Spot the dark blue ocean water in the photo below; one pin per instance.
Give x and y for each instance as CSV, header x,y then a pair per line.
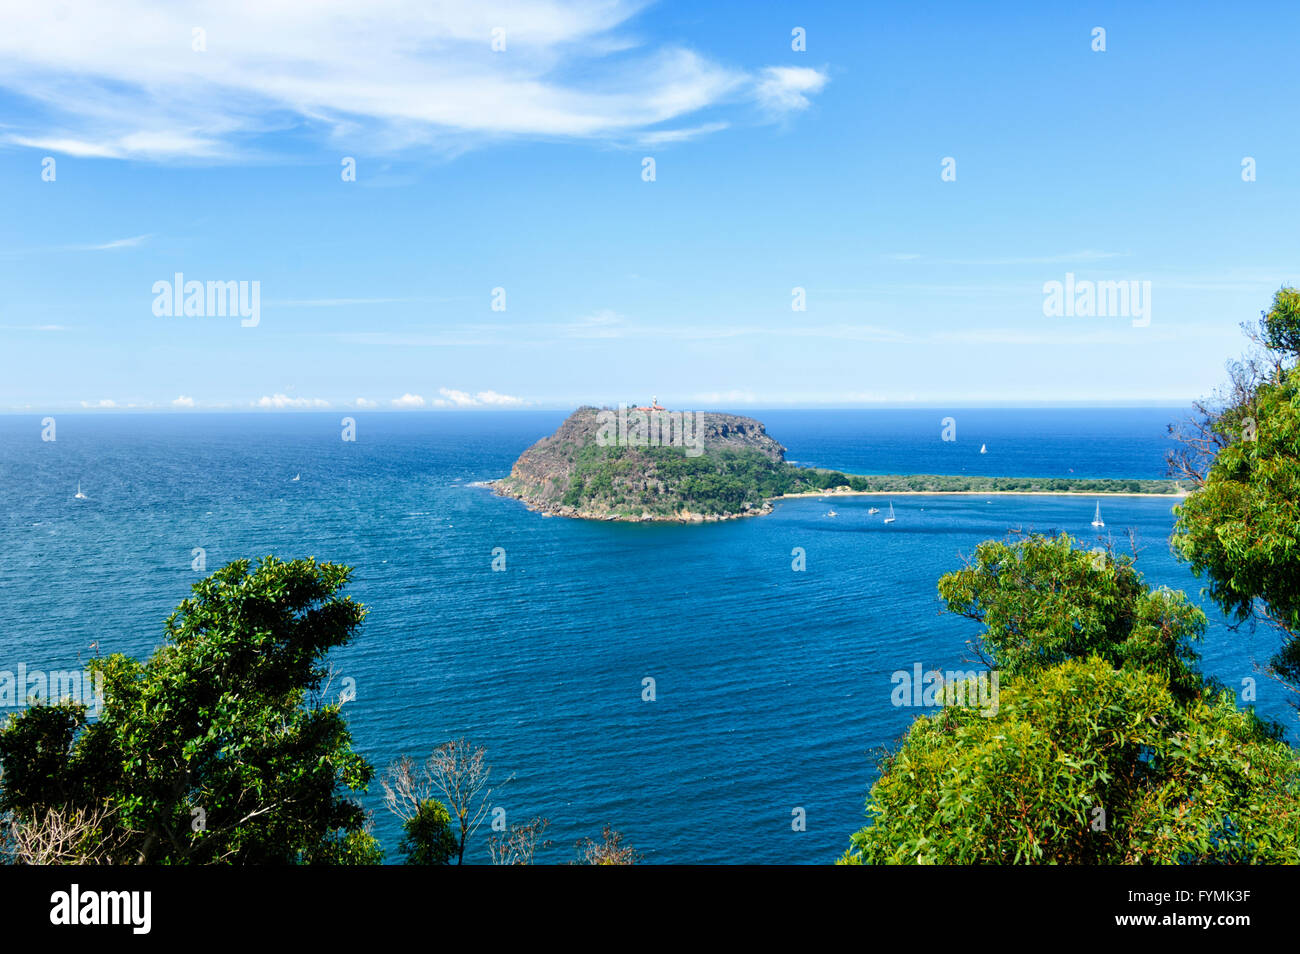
x,y
773,687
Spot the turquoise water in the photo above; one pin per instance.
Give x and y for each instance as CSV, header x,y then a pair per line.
x,y
773,688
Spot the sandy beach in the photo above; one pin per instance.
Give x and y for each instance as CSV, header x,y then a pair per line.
x,y
973,493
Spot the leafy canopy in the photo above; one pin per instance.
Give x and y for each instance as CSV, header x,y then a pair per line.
x,y
428,836
1043,601
1086,764
218,748
1105,747
1241,528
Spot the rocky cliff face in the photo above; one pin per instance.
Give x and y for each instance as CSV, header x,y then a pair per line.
x,y
600,466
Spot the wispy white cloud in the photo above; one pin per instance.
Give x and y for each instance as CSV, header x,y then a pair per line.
x,y
493,399
365,402
784,89
183,401
117,243
283,401
132,242
458,398
453,398
135,80
1063,258
661,137
450,397
103,403
340,302
605,323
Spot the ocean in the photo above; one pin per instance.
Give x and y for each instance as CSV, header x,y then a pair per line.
x,y
772,687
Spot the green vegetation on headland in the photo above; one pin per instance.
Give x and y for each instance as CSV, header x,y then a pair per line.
x,y
955,484
662,482
737,470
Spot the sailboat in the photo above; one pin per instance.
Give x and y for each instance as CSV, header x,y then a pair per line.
x,y
297,476
984,448
79,494
890,518
1096,520
874,510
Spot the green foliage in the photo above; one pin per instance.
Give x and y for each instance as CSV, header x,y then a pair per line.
x,y
1280,326
1086,764
663,481
347,848
429,837
1105,747
1043,601
1241,529
217,748
807,479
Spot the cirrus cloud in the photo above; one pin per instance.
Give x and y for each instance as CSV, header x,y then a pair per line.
x,y
135,80
782,89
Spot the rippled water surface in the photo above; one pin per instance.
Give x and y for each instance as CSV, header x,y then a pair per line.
x,y
773,687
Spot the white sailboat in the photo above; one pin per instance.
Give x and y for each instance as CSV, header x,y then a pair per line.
x,y
297,476
890,518
984,448
1096,520
874,510
79,494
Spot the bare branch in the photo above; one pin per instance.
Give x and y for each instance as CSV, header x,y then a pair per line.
x,y
610,850
517,846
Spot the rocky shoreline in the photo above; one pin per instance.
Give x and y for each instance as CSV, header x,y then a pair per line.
x,y
562,510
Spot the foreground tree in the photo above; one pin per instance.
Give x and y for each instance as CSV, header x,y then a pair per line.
x,y
1086,764
1043,601
453,780
428,835
219,747
1241,527
1104,747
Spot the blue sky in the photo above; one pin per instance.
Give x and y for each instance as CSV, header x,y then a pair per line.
x,y
522,169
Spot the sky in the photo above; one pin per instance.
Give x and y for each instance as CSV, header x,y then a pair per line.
x,y
914,176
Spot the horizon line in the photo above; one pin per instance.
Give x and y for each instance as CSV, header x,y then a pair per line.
x,y
1049,403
